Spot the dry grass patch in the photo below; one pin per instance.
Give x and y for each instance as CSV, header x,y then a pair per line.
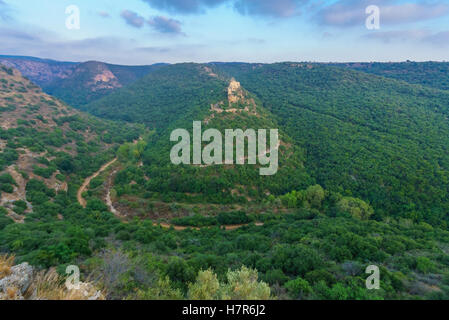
x,y
6,262
51,286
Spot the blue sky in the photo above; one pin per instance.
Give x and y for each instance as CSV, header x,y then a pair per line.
x,y
149,31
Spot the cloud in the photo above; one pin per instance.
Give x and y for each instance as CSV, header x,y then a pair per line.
x,y
398,35
4,11
159,23
278,8
154,49
103,14
440,39
132,18
272,8
38,42
412,12
11,35
165,25
45,44
347,13
184,6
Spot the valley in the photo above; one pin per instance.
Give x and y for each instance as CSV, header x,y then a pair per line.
x,y
362,178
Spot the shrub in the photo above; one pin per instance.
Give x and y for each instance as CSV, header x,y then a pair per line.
x,y
358,208
298,288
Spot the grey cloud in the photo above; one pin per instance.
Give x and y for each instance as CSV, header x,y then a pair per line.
x,y
132,18
16,35
103,14
45,44
154,49
413,12
272,8
165,25
184,6
41,43
278,8
424,36
352,12
439,38
398,35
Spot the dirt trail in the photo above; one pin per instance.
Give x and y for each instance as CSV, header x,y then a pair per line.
x,y
109,203
108,195
227,227
86,183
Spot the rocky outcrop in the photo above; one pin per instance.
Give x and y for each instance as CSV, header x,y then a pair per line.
x,y
22,282
235,92
15,285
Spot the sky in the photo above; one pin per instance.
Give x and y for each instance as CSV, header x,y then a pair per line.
x,y
137,32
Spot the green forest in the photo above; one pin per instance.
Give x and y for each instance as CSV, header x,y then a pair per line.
x,y
362,180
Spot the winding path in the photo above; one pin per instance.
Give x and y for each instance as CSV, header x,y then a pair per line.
x,y
83,203
86,182
227,227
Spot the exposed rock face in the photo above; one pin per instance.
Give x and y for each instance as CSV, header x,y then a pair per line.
x,y
235,92
102,77
236,95
39,71
17,282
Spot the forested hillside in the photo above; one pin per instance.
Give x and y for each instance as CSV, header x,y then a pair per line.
x,y
170,93
155,178
362,181
47,149
76,83
374,138
93,80
306,241
430,74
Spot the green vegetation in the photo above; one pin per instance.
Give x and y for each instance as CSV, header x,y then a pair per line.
x,y
162,97
377,139
86,83
362,181
430,74
7,183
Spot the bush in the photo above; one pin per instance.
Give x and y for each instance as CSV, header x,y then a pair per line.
x,y
358,209
6,178
7,188
235,217
424,265
298,288
275,276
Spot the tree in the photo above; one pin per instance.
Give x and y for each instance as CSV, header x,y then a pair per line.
x,y
162,291
123,152
206,286
356,207
424,265
179,271
315,196
243,284
298,288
